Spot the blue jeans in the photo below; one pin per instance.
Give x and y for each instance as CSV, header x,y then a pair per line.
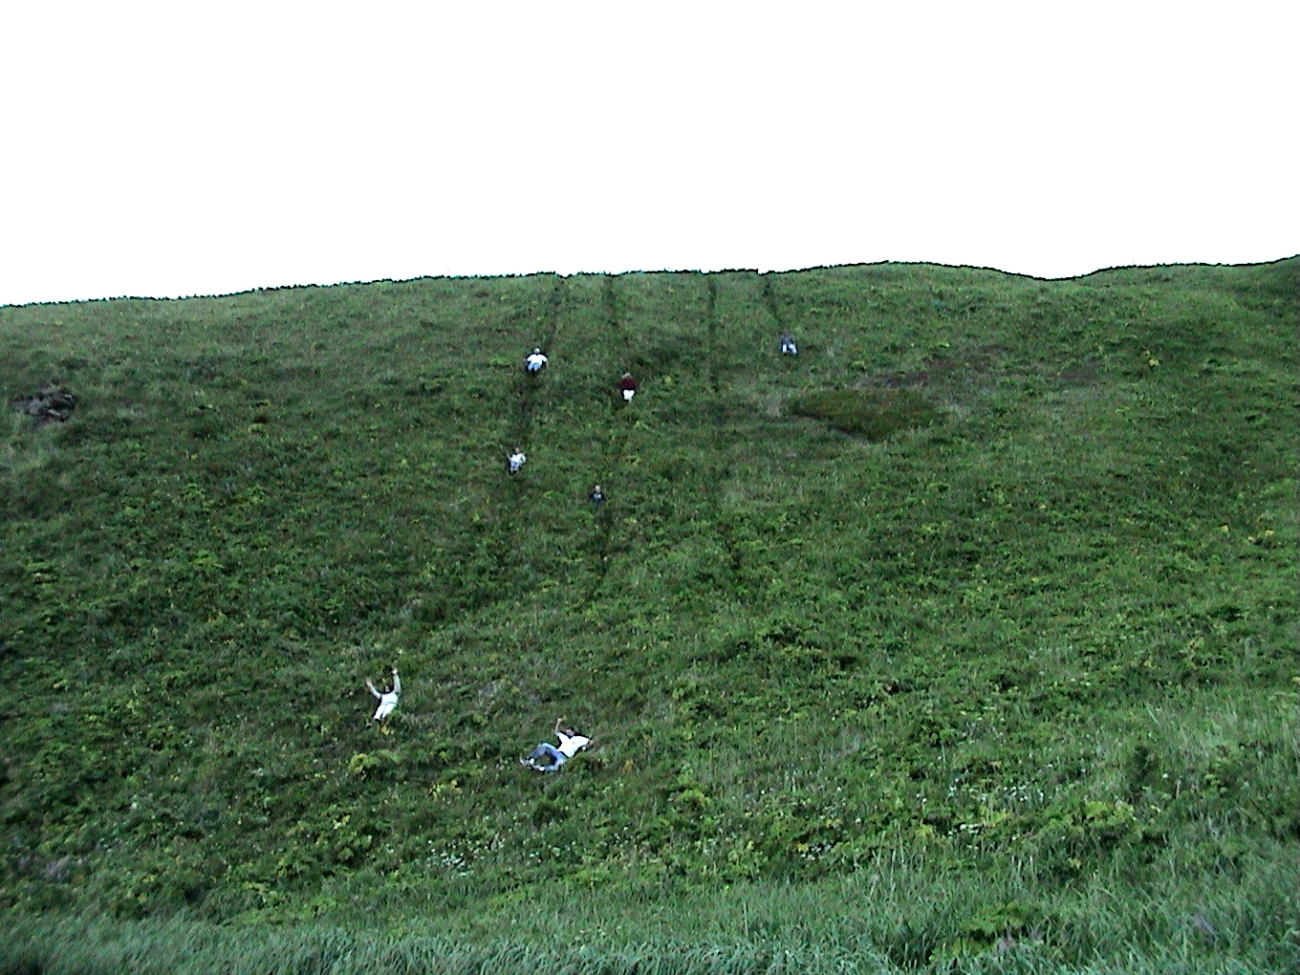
x,y
546,749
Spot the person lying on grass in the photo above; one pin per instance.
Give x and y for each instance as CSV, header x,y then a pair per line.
x,y
570,744
387,699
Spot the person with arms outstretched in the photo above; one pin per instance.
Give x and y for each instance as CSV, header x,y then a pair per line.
x,y
387,699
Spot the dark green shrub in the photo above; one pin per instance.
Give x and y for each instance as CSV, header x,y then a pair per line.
x,y
872,413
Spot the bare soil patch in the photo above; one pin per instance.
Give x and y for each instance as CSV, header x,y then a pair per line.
x,y
51,404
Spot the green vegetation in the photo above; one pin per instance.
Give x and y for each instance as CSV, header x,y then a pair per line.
x,y
873,413
1002,680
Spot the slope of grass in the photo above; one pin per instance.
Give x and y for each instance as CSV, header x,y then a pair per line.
x,y
1036,652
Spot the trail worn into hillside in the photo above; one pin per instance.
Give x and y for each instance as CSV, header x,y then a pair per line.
x,y
618,426
531,390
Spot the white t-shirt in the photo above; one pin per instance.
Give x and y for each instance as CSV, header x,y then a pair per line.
x,y
570,745
536,360
388,700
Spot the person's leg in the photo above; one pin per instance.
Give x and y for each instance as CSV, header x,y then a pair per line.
x,y
544,749
547,750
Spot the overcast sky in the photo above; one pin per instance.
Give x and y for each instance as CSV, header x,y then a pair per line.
x,y
194,147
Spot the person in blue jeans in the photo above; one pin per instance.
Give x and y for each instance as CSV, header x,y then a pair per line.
x,y
535,362
570,744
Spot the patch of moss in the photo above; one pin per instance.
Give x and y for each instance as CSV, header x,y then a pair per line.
x,y
872,413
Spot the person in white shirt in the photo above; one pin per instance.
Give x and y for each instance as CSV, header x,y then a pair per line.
x,y
534,362
515,461
787,344
570,744
387,699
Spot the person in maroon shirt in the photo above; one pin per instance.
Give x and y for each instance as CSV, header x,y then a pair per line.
x,y
627,386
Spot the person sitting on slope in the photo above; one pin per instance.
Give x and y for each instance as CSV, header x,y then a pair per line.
x,y
387,699
787,344
515,461
534,362
627,387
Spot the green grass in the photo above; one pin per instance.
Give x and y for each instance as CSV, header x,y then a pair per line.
x,y
1005,684
875,414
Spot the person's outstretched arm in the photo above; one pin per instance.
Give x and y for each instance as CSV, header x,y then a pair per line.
x,y
397,682
371,688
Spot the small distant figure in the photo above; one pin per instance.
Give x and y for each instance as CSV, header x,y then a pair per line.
x,y
597,496
570,744
627,386
387,699
787,344
534,362
515,461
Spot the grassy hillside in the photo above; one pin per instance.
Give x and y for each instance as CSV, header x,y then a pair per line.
x,y
1004,675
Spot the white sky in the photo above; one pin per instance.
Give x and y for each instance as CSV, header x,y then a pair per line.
x,y
194,147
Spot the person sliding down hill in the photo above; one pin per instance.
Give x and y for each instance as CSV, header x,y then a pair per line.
x,y
570,744
387,699
515,461
534,362
627,387
787,344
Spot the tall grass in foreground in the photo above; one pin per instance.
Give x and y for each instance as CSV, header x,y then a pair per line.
x,y
896,916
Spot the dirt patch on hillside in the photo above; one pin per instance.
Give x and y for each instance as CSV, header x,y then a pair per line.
x,y
51,404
